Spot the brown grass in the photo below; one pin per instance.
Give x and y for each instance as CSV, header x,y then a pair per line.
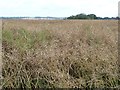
x,y
65,53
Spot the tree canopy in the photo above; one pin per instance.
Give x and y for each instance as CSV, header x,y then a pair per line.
x,y
89,16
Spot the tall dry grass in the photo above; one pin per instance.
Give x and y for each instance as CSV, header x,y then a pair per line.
x,y
60,54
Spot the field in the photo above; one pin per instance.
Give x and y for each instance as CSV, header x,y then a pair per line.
x,y
60,54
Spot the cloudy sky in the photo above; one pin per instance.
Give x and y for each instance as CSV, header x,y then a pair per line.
x,y
58,8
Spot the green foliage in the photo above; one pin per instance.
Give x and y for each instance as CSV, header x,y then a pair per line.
x,y
83,16
23,39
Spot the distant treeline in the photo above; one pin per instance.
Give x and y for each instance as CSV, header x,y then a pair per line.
x,y
89,16
78,16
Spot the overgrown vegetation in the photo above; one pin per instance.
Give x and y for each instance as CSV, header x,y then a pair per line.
x,y
60,54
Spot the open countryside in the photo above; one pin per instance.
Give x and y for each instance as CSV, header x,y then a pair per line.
x,y
60,53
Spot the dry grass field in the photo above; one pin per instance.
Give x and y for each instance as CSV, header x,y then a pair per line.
x,y
60,54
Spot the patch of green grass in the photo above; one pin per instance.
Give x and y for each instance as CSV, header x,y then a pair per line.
x,y
24,39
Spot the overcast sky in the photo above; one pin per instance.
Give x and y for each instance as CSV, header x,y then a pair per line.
x,y
58,8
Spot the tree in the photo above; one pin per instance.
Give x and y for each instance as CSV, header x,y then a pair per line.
x,y
83,16
92,16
